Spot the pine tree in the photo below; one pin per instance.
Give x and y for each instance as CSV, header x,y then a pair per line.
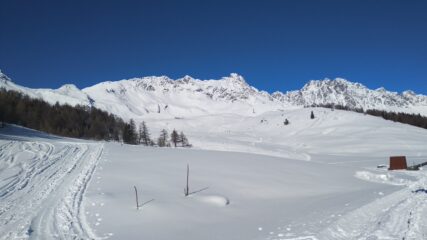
x,y
133,131
130,135
183,140
144,135
175,138
312,115
163,141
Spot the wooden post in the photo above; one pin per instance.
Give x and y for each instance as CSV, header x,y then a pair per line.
x,y
187,189
136,197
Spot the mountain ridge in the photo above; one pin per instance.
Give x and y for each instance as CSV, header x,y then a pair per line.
x,y
188,96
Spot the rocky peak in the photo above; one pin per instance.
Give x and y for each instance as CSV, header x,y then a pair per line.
x,y
4,78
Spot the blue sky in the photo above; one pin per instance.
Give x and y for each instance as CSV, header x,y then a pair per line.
x,y
274,44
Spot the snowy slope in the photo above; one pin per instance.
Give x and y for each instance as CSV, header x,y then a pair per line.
x,y
43,180
67,94
312,179
162,97
303,137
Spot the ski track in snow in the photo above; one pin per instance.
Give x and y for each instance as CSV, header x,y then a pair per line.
x,y
399,215
42,189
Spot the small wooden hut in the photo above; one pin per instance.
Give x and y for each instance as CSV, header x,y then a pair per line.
x,y
397,162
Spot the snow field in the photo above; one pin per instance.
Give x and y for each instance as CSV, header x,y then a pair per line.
x,y
42,188
251,179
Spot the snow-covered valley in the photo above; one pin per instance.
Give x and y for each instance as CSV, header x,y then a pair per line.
x,y
251,177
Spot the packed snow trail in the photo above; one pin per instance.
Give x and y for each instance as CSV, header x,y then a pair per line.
x,y
42,186
399,215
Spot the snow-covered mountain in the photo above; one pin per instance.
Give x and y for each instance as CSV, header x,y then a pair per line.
x,y
162,97
183,97
355,95
67,94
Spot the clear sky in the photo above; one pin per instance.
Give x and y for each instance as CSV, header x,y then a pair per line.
x,y
274,44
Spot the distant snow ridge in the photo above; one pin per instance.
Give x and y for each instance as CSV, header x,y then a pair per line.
x,y
67,94
183,97
162,97
355,95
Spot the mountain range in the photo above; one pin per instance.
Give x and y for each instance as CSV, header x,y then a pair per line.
x,y
163,97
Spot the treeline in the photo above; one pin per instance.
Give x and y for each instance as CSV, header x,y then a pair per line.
x,y
411,119
143,136
64,120
406,118
339,107
78,121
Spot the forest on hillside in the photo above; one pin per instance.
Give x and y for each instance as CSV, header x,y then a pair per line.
x,y
79,122
63,120
406,118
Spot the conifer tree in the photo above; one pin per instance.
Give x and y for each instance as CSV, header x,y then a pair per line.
x,y
144,135
130,135
163,141
175,138
312,115
183,140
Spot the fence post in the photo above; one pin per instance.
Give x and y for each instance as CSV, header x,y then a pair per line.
x,y
136,197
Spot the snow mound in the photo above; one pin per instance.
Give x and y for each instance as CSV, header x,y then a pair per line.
x,y
387,178
215,200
